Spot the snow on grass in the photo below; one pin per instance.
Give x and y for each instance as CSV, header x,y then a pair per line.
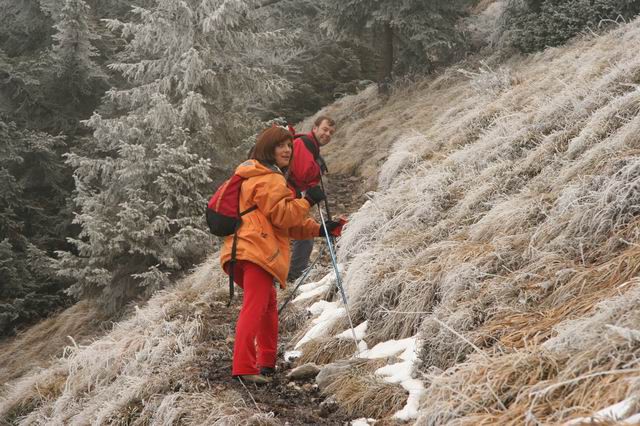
x,y
404,153
504,233
133,370
401,372
360,331
311,290
363,422
331,312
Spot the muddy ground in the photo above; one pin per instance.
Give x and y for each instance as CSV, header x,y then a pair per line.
x,y
288,402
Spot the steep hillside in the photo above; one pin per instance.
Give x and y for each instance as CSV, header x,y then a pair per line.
x,y
491,272
503,233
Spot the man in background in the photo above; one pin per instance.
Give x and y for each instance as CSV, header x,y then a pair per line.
x,y
305,171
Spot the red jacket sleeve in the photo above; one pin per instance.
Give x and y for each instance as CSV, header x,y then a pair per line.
x,y
304,172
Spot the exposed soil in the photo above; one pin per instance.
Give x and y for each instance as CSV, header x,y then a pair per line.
x,y
345,194
289,402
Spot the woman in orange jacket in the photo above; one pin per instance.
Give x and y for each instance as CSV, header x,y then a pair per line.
x,y
263,249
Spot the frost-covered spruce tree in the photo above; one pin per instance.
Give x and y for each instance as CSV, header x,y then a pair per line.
x,y
423,29
196,67
323,68
30,194
73,51
532,25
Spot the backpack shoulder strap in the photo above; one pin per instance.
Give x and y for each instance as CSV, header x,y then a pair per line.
x,y
234,247
315,150
312,147
249,210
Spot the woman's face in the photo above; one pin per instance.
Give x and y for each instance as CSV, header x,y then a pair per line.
x,y
283,153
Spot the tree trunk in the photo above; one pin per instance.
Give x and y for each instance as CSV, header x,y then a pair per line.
x,y
386,67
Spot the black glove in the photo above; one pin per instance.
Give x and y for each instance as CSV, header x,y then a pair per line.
x,y
331,225
315,195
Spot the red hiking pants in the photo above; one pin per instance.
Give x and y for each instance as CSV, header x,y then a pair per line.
x,y
257,327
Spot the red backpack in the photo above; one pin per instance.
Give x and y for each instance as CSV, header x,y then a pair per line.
x,y
223,211
224,217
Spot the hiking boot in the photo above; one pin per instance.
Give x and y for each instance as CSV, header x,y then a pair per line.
x,y
257,379
267,371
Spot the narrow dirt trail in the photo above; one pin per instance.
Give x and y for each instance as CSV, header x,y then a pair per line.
x,y
282,402
344,193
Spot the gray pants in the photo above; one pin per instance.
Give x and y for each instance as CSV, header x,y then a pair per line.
x,y
300,254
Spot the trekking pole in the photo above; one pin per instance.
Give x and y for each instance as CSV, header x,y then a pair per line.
x,y
326,206
326,203
338,281
300,281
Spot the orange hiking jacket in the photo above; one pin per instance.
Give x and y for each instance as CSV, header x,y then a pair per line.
x,y
263,237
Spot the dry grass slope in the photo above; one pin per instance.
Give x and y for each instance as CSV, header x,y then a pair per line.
x,y
504,230
46,340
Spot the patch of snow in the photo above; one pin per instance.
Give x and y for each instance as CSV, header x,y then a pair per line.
x,y
313,289
363,422
618,411
330,314
390,348
312,293
327,279
633,420
360,332
410,410
400,372
411,353
318,307
396,373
